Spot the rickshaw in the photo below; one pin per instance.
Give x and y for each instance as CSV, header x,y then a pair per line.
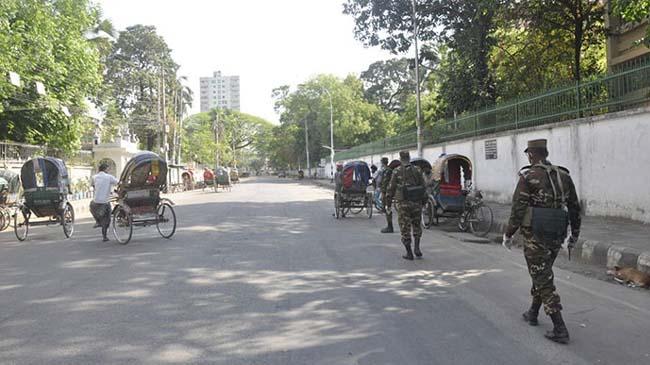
x,y
138,202
234,175
379,205
222,178
46,187
352,195
208,180
452,196
9,192
188,180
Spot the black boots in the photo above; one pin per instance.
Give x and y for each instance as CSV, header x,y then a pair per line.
x,y
409,252
416,249
531,314
388,229
559,334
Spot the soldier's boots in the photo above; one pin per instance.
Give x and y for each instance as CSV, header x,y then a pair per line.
x,y
416,249
388,229
409,252
559,334
531,314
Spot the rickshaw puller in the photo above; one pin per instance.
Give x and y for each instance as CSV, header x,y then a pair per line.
x,y
545,202
100,206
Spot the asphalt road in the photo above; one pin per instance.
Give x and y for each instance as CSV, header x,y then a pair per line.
x,y
265,275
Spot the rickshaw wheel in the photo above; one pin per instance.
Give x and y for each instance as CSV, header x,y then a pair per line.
x,y
481,220
428,213
122,225
21,224
369,205
165,214
67,220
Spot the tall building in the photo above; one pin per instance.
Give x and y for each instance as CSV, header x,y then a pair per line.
x,y
219,92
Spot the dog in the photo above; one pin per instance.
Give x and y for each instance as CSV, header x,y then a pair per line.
x,y
631,276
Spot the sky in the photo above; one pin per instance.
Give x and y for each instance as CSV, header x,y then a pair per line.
x,y
268,43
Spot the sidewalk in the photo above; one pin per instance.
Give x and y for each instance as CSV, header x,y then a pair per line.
x,y
604,241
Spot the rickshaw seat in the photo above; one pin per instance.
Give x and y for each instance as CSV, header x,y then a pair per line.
x,y
450,190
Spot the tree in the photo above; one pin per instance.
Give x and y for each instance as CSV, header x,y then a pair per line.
x,y
355,119
578,23
389,83
43,41
138,69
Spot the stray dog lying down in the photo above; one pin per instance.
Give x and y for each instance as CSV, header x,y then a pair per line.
x,y
630,276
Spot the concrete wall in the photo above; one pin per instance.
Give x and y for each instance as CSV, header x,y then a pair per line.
x,y
608,157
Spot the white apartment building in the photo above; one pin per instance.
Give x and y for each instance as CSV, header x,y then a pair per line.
x,y
219,92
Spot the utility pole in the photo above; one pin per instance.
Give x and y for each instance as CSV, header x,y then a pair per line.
x,y
418,118
216,137
307,147
164,119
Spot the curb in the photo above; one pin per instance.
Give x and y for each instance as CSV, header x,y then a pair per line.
x,y
602,254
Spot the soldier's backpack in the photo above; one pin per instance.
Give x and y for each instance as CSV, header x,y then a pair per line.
x,y
413,193
550,224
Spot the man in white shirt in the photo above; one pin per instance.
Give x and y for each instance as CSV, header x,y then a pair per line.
x,y
100,206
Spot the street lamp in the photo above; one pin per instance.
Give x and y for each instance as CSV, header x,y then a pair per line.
x,y
331,135
307,148
418,120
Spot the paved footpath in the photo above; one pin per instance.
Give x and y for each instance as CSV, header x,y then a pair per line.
x,y
265,275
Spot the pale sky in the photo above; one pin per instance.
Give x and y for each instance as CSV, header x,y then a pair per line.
x,y
268,43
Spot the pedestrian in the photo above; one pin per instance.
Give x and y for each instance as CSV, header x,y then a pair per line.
x,y
100,206
386,203
545,202
407,187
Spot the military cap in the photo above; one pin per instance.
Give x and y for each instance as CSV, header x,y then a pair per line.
x,y
537,144
404,156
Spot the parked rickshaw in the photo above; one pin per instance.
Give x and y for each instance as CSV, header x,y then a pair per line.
x,y
352,195
209,180
46,187
222,178
188,180
9,192
234,175
138,202
452,196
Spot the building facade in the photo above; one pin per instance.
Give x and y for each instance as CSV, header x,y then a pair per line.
x,y
219,91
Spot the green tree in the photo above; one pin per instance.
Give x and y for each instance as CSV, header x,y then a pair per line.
x,y
389,83
633,11
43,41
139,68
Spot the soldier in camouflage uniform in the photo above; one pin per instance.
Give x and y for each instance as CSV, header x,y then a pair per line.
x,y
544,189
385,181
409,213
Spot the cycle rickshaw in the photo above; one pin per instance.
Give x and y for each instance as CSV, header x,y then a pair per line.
x,y
234,175
9,192
138,198
452,196
352,195
46,187
222,178
188,180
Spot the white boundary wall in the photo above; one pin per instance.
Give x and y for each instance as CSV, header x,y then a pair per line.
x,y
608,156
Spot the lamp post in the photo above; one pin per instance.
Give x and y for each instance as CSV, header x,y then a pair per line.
x,y
307,148
331,147
418,120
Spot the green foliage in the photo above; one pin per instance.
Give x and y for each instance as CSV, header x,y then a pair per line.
x,y
137,69
633,11
355,119
44,41
389,83
239,135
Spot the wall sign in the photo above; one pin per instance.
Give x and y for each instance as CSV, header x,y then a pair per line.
x,y
491,149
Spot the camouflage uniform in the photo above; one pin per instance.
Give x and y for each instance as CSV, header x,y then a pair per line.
x,y
385,181
536,187
409,213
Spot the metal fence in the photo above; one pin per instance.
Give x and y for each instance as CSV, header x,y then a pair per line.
x,y
605,94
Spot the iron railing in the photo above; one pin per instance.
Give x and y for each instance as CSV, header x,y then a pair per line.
x,y
601,95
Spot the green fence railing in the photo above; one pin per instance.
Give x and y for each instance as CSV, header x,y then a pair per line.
x,y
605,94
